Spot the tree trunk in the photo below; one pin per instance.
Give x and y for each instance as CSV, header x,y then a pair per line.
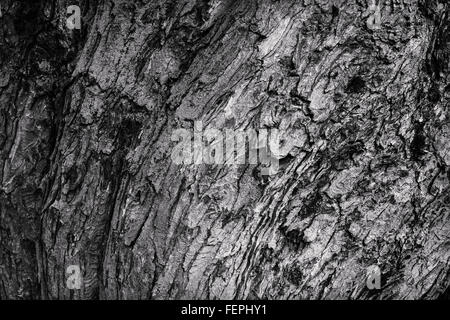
x,y
360,98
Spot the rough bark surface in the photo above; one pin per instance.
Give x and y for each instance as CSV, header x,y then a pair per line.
x,y
86,178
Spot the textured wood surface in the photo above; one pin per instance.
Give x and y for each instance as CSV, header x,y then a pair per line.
x,y
86,118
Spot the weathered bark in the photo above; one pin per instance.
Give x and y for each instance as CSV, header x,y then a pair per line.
x,y
87,179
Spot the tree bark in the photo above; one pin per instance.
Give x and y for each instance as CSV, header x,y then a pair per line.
x,y
87,179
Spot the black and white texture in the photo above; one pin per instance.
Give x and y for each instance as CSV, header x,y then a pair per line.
x,y
360,93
